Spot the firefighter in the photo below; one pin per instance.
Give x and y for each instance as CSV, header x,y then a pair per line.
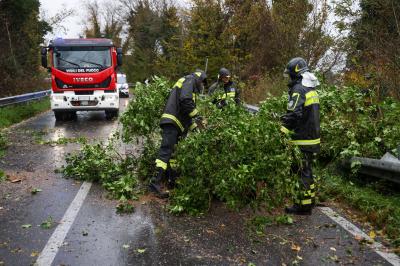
x,y
180,115
225,88
302,122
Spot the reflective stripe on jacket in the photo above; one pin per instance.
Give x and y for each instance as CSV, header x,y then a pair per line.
x,y
181,104
225,92
302,117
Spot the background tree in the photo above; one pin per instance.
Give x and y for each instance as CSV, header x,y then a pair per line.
x,y
169,61
205,38
375,36
143,41
21,33
104,21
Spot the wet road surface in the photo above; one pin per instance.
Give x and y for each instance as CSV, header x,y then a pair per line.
x,y
149,236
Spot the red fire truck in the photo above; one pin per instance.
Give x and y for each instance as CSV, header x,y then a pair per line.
x,y
83,76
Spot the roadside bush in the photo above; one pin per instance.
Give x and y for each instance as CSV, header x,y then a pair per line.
x,y
353,124
13,114
3,142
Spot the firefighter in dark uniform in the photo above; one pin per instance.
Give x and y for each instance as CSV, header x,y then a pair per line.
x,y
225,89
302,122
180,115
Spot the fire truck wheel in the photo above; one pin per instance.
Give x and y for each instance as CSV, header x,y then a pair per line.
x,y
111,114
59,115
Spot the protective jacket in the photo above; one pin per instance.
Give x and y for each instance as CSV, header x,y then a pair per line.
x,y
225,92
181,104
302,117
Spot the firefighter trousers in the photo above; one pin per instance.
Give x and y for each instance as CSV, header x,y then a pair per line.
x,y
306,196
170,137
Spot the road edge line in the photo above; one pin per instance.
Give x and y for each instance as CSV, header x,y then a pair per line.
x,y
355,231
50,251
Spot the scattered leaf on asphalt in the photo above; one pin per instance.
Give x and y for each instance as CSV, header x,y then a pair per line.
x,y
349,251
125,246
284,219
35,190
34,254
334,258
209,231
25,226
16,250
139,250
125,207
47,224
296,248
372,234
358,238
14,179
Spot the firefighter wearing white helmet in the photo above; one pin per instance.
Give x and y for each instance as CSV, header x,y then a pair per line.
x,y
302,122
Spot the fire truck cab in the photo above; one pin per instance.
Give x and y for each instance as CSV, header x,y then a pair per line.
x,y
83,76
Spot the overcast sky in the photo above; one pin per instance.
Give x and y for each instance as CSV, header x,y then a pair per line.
x,y
74,25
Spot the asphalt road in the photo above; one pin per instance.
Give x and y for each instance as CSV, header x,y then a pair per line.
x,y
149,236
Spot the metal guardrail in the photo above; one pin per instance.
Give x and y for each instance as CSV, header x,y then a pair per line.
x,y
388,167
251,108
24,98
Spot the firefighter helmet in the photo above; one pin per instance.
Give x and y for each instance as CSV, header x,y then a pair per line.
x,y
296,67
224,73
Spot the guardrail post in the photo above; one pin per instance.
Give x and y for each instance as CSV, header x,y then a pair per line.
x,y
398,152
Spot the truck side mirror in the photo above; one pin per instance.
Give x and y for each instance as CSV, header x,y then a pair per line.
x,y
44,57
119,56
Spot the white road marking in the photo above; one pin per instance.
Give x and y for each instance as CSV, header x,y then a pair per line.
x,y
355,231
49,252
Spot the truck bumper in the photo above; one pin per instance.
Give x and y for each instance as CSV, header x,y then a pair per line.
x,y
68,101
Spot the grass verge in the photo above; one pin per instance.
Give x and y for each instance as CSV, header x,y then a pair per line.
x,y
13,114
381,209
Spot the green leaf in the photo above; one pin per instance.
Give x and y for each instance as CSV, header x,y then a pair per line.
x,y
48,223
35,191
140,251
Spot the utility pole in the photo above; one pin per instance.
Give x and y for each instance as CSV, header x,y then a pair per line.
x,y
205,71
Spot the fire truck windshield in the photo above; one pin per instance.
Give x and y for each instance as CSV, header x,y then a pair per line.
x,y
69,58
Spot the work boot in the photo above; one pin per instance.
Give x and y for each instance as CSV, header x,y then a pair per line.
x,y
172,177
156,187
299,210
